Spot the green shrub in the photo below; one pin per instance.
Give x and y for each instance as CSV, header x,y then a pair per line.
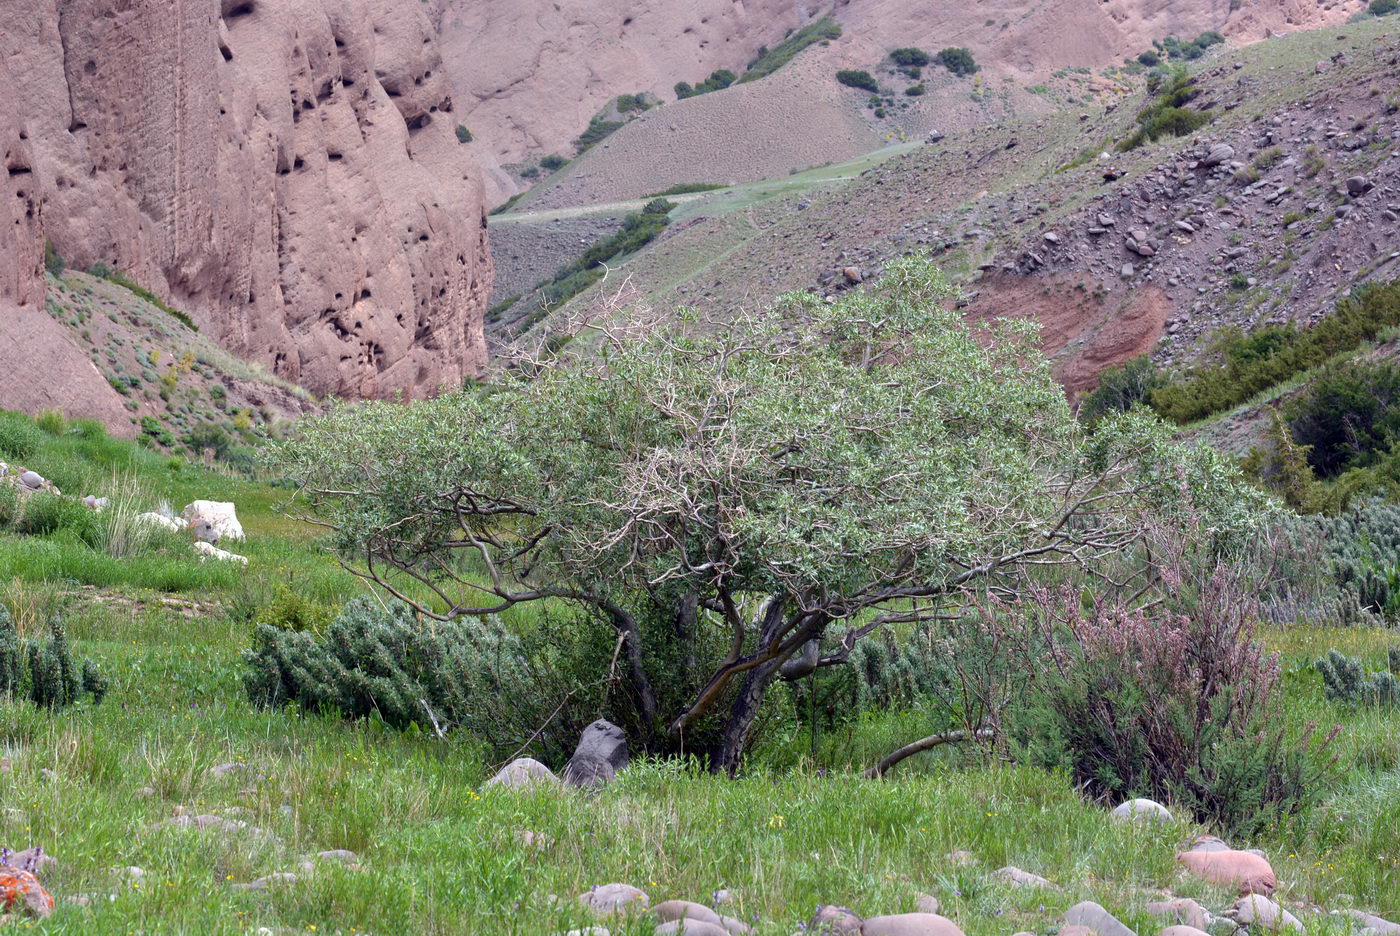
x,y
52,261
1348,416
684,90
463,134
19,437
553,162
1383,7
293,609
468,674
631,103
1241,366
910,56
685,188
45,514
50,421
957,60
1345,680
1362,554
718,80
144,293
770,60
1164,114
855,78
44,670
153,430
915,90
598,130
1150,58
1121,388
9,505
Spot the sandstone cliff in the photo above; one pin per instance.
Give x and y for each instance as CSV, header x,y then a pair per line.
x,y
286,171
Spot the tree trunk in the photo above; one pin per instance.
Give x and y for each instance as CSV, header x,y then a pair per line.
x,y
742,716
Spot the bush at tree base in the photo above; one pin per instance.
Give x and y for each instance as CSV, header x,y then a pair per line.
x,y
1180,704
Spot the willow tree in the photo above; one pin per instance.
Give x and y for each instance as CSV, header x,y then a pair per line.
x,y
814,470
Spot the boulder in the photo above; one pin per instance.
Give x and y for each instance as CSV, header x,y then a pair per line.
x,y
160,520
831,920
910,924
1182,930
32,859
221,515
601,752
204,532
1250,873
691,928
210,551
32,480
20,891
926,903
1018,878
734,927
1258,910
1219,153
1359,185
609,899
1097,919
669,910
1141,810
1181,910
520,773
934,136
1208,843
1370,923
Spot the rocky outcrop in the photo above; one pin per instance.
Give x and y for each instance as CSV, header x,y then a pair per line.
x,y
285,171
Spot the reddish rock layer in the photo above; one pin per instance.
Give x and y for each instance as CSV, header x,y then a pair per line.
x,y
286,170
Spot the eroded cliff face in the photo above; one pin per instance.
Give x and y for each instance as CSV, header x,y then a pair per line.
x,y
286,170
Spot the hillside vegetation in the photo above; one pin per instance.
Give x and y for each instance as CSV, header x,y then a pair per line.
x,y
194,770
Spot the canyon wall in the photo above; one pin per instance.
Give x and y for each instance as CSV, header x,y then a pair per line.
x,y
285,170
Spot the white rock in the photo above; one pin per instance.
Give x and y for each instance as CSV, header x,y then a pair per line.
x,y
160,520
1141,810
221,515
210,551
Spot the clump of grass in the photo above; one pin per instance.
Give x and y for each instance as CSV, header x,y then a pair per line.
x,y
686,188
1166,114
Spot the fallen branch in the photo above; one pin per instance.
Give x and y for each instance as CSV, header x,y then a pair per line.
x,y
924,744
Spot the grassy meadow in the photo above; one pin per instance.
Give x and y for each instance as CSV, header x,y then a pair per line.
x,y
96,786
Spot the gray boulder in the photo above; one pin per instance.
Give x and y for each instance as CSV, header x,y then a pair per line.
x,y
601,752
32,480
1370,923
691,927
1096,918
1219,153
1018,878
1258,910
609,899
910,924
1359,185
521,773
831,920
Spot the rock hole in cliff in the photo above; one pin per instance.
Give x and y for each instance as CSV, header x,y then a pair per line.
x,y
325,91
307,105
90,67
334,157
76,125
418,81
237,9
419,122
339,43
298,163
20,170
422,237
226,52
251,299
627,22
364,294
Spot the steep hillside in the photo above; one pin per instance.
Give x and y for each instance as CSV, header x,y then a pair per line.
x,y
800,116
286,172
1035,222
530,74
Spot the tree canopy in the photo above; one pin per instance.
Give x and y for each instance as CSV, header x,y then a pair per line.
x,y
812,470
